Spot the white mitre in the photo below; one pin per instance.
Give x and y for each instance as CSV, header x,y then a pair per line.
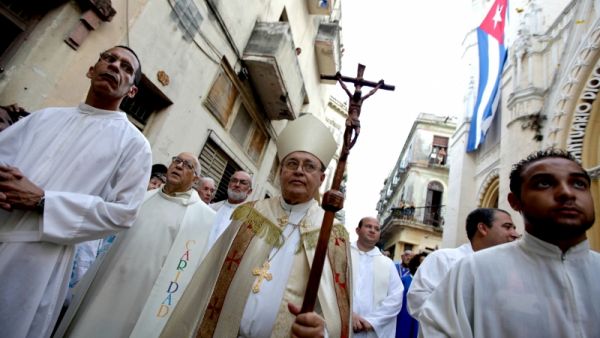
x,y
307,133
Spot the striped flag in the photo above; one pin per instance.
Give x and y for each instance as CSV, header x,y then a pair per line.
x,y
492,54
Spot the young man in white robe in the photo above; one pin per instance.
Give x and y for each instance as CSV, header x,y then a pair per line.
x,y
377,288
133,289
238,190
67,175
486,227
253,280
544,285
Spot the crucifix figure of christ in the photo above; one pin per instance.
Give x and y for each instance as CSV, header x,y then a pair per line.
x,y
356,100
333,199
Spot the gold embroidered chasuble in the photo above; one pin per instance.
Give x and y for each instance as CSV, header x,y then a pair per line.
x,y
214,301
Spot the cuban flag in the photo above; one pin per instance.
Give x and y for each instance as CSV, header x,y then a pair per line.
x,y
492,55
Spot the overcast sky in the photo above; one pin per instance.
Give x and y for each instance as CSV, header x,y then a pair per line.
x,y
416,46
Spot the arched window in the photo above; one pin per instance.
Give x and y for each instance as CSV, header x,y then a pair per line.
x,y
433,204
490,195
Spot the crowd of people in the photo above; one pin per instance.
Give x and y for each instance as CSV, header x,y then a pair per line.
x,y
141,250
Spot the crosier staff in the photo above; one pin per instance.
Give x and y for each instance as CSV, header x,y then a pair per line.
x,y
333,199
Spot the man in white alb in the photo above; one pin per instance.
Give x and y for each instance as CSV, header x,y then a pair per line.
x,y
544,285
377,287
238,190
485,228
67,175
131,292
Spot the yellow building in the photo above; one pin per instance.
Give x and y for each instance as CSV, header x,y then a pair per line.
x,y
412,204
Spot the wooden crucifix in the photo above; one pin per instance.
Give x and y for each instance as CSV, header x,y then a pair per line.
x,y
333,199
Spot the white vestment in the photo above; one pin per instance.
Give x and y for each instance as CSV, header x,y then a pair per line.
x,y
122,282
378,290
262,307
526,288
430,273
94,167
224,210
265,313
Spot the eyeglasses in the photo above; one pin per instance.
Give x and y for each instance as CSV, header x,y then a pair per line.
x,y
185,163
123,64
307,166
241,182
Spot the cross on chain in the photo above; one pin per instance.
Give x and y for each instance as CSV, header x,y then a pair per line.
x,y
262,274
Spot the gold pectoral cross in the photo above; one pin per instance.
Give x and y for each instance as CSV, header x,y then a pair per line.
x,y
262,274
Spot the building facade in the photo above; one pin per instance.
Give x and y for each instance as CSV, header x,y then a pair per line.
x,y
335,119
220,78
548,99
413,200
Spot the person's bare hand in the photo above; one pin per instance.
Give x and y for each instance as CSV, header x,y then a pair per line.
x,y
9,173
17,191
366,325
359,324
14,108
308,324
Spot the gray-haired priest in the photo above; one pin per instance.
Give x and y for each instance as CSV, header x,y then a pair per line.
x,y
252,282
132,290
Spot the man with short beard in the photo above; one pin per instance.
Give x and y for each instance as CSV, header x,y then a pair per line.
x,y
544,285
238,190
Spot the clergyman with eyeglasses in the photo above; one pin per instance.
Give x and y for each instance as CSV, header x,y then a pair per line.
x,y
146,265
253,280
67,175
238,190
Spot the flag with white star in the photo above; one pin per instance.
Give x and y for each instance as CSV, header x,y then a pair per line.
x,y
492,55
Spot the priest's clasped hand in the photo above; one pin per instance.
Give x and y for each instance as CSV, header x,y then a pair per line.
x,y
308,324
17,191
359,324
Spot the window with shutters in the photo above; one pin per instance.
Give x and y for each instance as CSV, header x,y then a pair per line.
x,y
148,100
17,19
434,208
439,150
273,174
256,144
242,125
218,165
235,112
221,98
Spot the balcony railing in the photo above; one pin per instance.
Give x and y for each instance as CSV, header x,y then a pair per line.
x,y
428,215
